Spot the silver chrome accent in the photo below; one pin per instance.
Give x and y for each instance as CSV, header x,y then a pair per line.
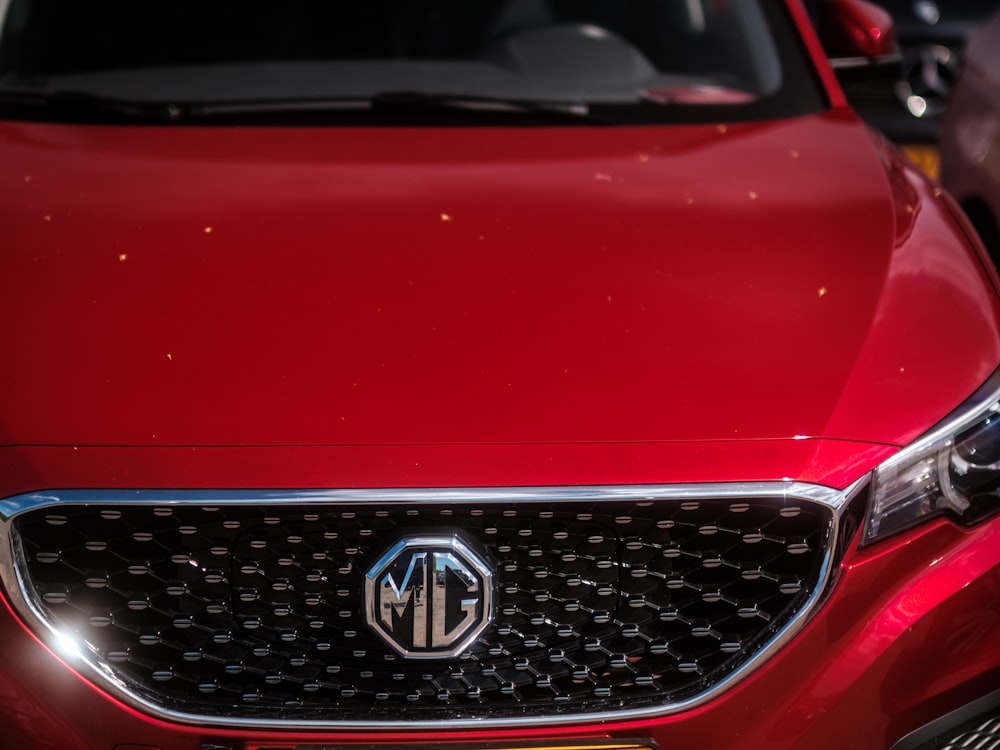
x,y
77,654
422,590
930,72
927,11
828,496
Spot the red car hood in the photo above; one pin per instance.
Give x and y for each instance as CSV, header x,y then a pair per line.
x,y
235,287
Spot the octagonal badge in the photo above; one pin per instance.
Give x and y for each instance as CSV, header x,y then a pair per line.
x,y
429,597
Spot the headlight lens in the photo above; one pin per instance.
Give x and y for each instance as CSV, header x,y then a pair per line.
x,y
954,469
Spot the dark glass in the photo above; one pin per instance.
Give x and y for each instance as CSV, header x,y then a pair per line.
x,y
632,60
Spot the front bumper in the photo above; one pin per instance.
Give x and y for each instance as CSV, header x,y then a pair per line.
x,y
909,633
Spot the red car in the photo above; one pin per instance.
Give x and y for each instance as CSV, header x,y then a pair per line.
x,y
566,374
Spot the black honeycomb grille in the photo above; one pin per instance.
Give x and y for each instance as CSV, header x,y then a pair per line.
x,y
253,610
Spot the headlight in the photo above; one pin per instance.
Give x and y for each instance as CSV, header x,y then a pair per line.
x,y
954,469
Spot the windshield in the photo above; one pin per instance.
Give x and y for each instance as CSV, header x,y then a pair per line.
x,y
634,60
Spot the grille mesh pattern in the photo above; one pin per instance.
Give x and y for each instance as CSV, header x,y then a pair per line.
x,y
984,736
255,610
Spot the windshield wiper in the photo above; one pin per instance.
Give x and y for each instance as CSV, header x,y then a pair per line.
x,y
84,106
409,103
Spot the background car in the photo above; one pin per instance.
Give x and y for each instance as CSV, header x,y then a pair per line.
x,y
932,35
908,102
970,145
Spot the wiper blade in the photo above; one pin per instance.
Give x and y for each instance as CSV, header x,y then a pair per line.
x,y
77,106
391,102
83,106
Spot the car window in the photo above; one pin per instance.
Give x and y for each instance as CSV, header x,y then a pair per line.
x,y
635,59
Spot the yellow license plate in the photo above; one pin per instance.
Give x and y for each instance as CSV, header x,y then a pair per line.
x,y
927,157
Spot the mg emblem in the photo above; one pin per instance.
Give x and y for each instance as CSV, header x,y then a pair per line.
x,y
429,597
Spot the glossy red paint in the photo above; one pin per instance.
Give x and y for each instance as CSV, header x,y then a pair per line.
x,y
866,658
520,286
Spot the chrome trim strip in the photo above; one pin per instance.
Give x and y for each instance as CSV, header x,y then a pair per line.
x,y
855,63
11,506
76,656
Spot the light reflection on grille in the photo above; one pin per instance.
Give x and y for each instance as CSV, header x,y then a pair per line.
x,y
255,610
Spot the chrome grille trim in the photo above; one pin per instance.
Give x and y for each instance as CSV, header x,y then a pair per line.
x,y
11,571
